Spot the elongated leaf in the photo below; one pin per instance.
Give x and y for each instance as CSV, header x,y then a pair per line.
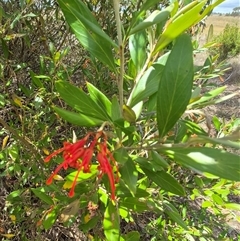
x,y
129,175
140,91
50,219
144,7
175,87
233,206
111,224
83,176
185,18
137,48
208,160
132,236
146,86
42,195
116,110
85,227
223,141
140,204
159,160
87,31
154,18
151,165
77,118
173,213
80,101
208,96
165,181
99,98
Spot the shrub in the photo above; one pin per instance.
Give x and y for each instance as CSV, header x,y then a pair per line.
x,y
228,42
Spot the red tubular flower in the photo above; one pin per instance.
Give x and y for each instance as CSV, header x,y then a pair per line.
x,y
104,157
85,165
78,156
105,167
71,155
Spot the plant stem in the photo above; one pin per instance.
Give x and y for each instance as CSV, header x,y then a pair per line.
x,y
116,6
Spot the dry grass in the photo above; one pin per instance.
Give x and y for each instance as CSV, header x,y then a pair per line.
x,y
219,23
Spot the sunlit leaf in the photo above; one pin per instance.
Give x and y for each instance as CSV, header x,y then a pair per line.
x,y
13,218
87,31
80,101
17,100
77,118
111,222
50,219
208,160
8,235
129,175
4,141
99,98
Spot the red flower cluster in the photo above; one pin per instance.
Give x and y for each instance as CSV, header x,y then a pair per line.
x,y
79,155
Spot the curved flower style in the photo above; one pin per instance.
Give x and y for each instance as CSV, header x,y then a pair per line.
x,y
79,155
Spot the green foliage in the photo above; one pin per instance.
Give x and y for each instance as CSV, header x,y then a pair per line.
x,y
227,42
144,94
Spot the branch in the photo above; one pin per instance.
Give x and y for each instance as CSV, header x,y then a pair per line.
x,y
121,51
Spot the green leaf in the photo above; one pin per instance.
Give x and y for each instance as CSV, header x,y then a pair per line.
x,y
132,236
88,32
100,98
116,110
5,48
155,17
207,96
129,175
159,160
50,219
121,155
40,193
185,18
13,152
165,181
173,213
233,206
111,224
77,118
146,86
15,195
149,164
175,87
36,81
144,7
138,204
208,160
217,123
137,48
83,176
217,199
225,141
80,101
85,227
206,204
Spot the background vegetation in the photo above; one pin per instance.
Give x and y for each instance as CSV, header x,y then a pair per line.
x,y
160,196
